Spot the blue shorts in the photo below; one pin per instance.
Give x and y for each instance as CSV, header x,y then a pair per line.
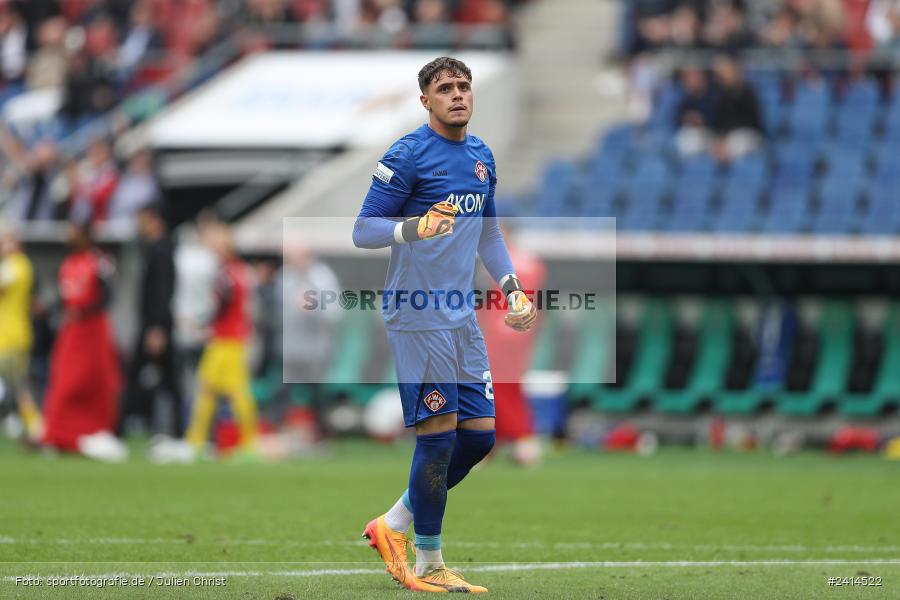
x,y
443,371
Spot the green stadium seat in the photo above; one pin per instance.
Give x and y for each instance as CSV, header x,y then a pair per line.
x,y
887,382
545,346
594,352
829,380
345,373
651,357
709,371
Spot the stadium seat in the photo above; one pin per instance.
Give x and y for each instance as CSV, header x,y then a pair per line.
x,y
651,356
739,206
843,163
665,108
795,162
700,170
854,128
751,169
861,95
595,351
838,205
882,216
789,210
643,205
836,326
886,389
713,354
347,370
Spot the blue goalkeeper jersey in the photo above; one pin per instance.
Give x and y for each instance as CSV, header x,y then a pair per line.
x,y
429,282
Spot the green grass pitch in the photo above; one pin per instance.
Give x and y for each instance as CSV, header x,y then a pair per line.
x,y
682,524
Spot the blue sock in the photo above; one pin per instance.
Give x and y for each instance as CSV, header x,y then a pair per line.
x,y
428,483
471,446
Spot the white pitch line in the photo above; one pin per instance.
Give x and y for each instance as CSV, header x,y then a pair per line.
x,y
497,567
461,544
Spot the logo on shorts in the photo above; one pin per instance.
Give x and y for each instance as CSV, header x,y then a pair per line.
x,y
481,171
435,401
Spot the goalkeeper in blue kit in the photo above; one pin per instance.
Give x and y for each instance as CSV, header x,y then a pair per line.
x,y
432,201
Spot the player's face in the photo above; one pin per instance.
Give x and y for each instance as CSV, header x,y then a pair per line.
x,y
449,98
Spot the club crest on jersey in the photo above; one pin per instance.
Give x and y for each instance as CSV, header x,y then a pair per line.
x,y
480,171
435,401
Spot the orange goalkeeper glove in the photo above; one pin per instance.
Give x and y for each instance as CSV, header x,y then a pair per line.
x,y
437,222
522,311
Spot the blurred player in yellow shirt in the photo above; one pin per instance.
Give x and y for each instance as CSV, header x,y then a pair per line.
x,y
223,369
16,281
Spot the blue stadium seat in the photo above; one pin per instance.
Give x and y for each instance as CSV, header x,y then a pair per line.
x,y
599,200
812,95
842,163
878,224
861,95
838,206
891,124
752,168
700,169
651,169
642,206
839,189
808,124
855,128
771,104
556,188
795,169
739,207
885,155
789,210
606,168
617,140
665,108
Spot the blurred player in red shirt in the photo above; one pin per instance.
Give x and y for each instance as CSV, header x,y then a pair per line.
x,y
515,422
84,376
223,369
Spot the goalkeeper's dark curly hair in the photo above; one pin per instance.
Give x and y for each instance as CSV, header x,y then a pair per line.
x,y
444,64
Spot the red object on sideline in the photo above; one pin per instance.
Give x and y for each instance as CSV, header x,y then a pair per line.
x,y
848,439
84,380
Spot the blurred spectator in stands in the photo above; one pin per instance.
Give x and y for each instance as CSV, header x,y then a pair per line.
x,y
89,89
38,196
81,407
35,12
652,25
309,336
47,67
685,27
191,26
432,21
136,189
13,35
387,15
726,28
267,12
98,177
153,367
493,12
695,115
737,123
141,38
781,31
883,23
